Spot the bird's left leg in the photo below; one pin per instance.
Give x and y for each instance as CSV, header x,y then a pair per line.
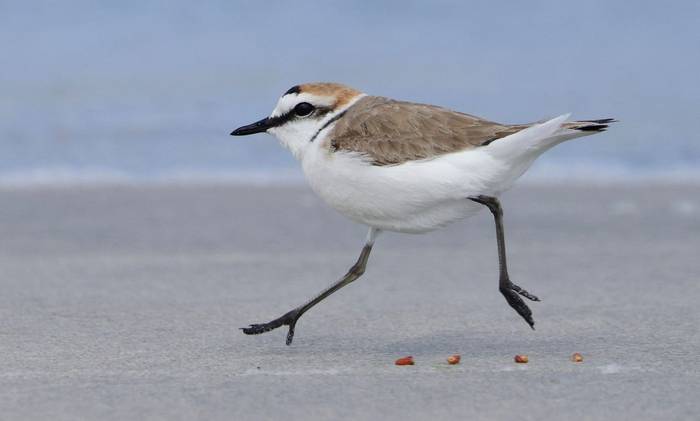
x,y
291,317
509,290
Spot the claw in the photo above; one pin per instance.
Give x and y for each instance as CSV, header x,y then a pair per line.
x,y
289,319
517,303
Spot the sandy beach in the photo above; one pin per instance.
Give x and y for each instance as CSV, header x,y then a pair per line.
x,y
126,303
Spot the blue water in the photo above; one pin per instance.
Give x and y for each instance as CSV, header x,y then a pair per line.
x,y
148,91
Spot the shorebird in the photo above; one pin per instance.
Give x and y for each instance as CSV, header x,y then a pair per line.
x,y
406,167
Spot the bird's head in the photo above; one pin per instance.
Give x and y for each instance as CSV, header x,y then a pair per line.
x,y
302,113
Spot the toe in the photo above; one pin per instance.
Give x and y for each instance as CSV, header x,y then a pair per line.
x,y
256,329
523,292
519,306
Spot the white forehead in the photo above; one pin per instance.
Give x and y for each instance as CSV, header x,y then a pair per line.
x,y
288,101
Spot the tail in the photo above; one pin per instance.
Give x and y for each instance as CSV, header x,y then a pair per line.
x,y
593,126
518,151
538,137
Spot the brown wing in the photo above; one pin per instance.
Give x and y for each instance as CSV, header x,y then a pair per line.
x,y
391,132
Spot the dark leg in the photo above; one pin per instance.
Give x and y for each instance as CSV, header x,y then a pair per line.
x,y
291,317
507,288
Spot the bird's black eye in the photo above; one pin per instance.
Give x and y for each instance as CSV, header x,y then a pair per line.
x,y
303,108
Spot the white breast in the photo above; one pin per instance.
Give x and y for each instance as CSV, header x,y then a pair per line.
x,y
412,197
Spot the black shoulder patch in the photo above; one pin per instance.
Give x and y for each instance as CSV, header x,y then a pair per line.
x,y
293,90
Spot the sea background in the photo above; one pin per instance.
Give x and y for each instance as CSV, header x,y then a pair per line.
x,y
95,92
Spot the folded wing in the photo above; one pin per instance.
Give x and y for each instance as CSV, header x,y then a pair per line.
x,y
390,132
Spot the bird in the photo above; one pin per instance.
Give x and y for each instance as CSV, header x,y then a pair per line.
x,y
406,167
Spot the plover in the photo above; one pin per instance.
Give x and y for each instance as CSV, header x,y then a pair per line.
x,y
406,167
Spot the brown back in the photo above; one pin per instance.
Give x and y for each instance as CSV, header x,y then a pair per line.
x,y
392,132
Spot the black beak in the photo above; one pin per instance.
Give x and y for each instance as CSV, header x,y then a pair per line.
x,y
257,127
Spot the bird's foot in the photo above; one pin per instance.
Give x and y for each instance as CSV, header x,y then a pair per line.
x,y
289,319
512,294
523,292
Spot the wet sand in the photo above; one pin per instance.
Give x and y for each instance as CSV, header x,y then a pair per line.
x,y
125,303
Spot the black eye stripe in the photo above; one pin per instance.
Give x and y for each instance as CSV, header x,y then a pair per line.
x,y
280,119
290,115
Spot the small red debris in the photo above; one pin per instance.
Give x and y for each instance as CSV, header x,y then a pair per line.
x,y
405,361
521,359
577,358
453,359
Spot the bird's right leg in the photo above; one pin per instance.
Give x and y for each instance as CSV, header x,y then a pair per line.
x,y
509,290
290,318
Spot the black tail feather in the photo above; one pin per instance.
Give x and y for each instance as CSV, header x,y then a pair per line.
x,y
591,125
601,121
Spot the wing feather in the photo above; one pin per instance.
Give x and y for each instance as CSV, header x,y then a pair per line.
x,y
390,132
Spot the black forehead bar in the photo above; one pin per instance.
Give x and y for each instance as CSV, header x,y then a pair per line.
x,y
293,90
281,119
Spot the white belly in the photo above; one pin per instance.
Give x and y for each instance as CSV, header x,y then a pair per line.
x,y
413,197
